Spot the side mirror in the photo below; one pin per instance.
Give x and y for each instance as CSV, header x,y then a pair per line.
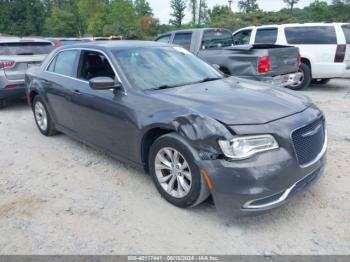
x,y
104,83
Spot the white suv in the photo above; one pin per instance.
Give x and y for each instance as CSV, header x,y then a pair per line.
x,y
324,47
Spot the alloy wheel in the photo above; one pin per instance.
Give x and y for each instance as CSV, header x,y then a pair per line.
x,y
173,172
40,116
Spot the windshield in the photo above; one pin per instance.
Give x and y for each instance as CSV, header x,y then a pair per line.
x,y
154,68
26,48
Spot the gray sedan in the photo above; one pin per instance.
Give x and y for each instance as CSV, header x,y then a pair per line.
x,y
196,132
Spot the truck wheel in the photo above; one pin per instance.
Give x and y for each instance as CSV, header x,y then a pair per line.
x,y
321,81
174,172
305,79
42,118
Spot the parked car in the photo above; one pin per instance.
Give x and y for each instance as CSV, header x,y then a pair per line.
x,y
62,41
272,64
324,48
16,56
248,144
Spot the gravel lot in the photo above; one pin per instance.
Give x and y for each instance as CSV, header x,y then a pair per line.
x,y
58,196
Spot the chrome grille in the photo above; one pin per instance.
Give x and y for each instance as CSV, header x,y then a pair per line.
x,y
309,141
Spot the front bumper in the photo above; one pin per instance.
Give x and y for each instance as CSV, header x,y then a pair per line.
x,y
284,80
266,180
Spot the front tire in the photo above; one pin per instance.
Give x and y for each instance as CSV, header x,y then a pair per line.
x,y
42,118
305,80
174,172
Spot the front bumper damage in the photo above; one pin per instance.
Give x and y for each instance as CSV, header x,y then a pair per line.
x,y
266,180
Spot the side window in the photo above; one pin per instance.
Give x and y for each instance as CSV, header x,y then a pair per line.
x,y
242,37
216,39
346,30
183,39
64,63
51,67
164,39
94,64
266,36
308,35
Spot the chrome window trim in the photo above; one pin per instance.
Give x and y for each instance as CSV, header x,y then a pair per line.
x,y
81,49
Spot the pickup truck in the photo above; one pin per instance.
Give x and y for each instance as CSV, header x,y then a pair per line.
x,y
273,64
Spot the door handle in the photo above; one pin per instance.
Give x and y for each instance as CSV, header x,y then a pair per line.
x,y
77,92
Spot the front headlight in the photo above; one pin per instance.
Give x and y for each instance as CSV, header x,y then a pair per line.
x,y
243,147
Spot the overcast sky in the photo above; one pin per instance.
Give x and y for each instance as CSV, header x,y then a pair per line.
x,y
161,8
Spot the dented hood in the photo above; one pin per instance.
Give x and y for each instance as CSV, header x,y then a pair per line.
x,y
235,101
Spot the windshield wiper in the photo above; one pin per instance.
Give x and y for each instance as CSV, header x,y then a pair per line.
x,y
25,54
164,87
209,79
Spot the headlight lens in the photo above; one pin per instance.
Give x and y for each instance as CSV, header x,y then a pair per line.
x,y
243,147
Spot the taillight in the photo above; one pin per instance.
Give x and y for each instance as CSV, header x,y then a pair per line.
x,y
264,64
58,43
340,54
7,64
299,59
11,86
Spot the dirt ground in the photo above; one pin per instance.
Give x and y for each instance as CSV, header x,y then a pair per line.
x,y
58,196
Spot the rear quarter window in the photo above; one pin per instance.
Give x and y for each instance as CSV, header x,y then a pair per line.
x,y
26,48
311,35
183,39
346,30
266,36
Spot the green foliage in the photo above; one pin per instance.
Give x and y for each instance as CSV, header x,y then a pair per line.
x,y
291,3
133,19
22,17
142,8
61,23
248,6
178,7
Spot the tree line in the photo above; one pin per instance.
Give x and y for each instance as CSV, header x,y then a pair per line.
x,y
134,19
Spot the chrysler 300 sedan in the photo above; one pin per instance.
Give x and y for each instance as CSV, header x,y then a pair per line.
x,y
251,146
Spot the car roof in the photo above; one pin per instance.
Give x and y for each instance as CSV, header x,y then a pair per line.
x,y
193,30
121,44
12,39
293,25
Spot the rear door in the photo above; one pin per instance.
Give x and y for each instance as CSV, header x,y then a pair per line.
x,y
24,54
346,30
59,83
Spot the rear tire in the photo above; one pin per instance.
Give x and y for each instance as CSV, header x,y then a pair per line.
x,y
306,79
174,172
321,81
42,118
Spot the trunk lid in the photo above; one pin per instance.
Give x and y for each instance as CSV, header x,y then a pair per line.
x,y
283,60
